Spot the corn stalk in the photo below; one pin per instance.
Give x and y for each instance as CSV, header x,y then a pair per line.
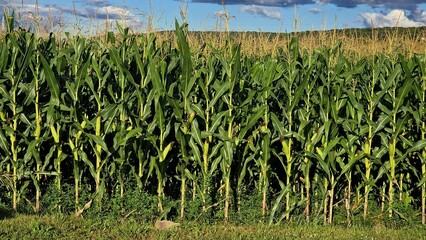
x,y
17,57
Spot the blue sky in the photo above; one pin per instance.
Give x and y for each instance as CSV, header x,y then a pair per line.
x,y
243,15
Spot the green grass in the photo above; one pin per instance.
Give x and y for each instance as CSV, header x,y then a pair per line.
x,y
68,227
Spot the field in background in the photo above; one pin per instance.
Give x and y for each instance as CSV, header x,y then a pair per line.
x,y
356,43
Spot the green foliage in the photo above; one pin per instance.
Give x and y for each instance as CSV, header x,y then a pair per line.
x,y
58,201
102,127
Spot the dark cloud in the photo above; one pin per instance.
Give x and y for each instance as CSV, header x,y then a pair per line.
x,y
390,4
96,3
268,3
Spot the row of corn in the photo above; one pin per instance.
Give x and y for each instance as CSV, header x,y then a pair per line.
x,y
305,132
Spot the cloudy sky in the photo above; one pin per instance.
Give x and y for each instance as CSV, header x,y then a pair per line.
x,y
243,15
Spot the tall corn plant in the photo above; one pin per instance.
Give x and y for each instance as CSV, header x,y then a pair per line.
x,y
331,102
420,119
77,55
411,136
16,57
351,144
264,76
38,121
311,130
354,130
292,86
226,132
159,128
102,118
124,98
54,119
97,85
4,142
411,142
51,63
145,103
183,111
44,86
33,95
371,100
393,107
209,115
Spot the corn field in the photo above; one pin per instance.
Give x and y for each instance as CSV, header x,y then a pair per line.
x,y
308,133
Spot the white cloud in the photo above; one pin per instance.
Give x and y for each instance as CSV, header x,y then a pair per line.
x,y
29,14
395,18
96,11
315,10
111,12
268,12
422,17
221,14
322,2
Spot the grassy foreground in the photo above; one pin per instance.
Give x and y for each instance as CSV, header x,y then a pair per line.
x,y
66,227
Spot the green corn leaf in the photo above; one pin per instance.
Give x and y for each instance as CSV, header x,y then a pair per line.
x,y
278,125
98,140
403,92
4,143
82,74
278,203
400,124
217,160
4,93
219,92
195,151
166,151
196,133
381,123
159,115
243,170
86,160
198,110
419,145
155,77
51,81
349,166
217,120
130,134
266,149
109,112
251,121
177,108
298,95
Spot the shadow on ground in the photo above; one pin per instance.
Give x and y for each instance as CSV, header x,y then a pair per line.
x,y
6,213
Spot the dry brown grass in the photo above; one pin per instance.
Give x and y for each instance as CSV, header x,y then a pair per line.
x,y
356,43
